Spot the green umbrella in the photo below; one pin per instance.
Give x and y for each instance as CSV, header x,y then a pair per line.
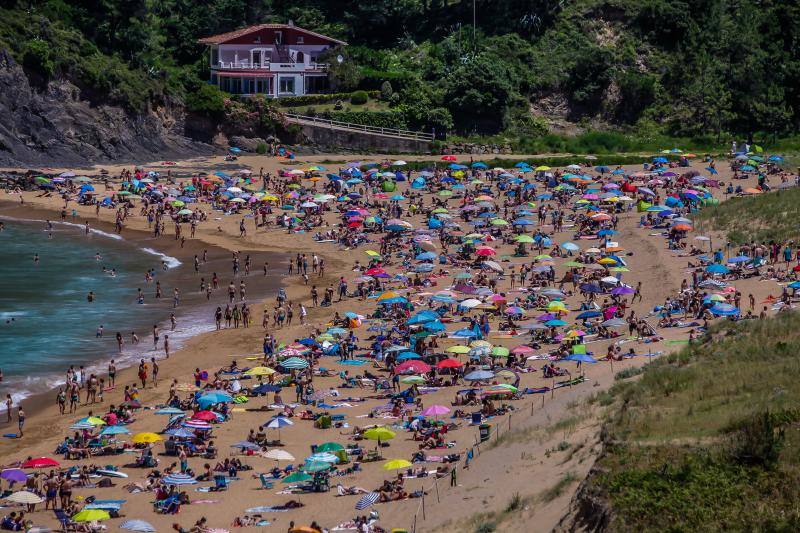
x,y
329,447
297,477
316,466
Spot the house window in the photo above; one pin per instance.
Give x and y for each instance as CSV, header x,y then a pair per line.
x,y
214,57
278,37
300,39
286,86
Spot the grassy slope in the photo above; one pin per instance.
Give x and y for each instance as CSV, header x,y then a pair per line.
x,y
708,438
772,216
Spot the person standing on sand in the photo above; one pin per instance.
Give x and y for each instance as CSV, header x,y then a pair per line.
x,y
155,336
166,345
155,369
9,407
112,374
20,420
143,373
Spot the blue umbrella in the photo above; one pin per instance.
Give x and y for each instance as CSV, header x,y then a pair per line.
x,y
723,309
580,358
555,322
426,256
367,501
422,317
434,326
479,375
181,433
589,314
739,259
115,430
405,356
466,332
479,164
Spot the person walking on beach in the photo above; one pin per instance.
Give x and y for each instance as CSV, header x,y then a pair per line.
x,y
155,369
166,345
155,336
9,407
112,374
61,400
20,421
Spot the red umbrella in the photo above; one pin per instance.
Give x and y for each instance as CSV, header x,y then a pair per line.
x,y
415,366
486,251
206,416
448,158
449,363
40,462
375,271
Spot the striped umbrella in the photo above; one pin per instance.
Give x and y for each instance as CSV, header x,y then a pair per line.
x,y
197,424
179,479
294,363
137,525
367,501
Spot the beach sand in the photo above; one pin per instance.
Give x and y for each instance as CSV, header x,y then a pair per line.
x,y
526,461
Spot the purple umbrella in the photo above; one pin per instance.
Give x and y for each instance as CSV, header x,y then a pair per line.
x,y
14,475
623,290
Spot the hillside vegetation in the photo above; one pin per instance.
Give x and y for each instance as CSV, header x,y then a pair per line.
x,y
766,217
708,439
687,68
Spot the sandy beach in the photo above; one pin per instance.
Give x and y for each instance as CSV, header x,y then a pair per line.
x,y
524,456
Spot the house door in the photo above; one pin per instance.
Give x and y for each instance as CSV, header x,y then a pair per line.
x,y
256,58
278,37
300,58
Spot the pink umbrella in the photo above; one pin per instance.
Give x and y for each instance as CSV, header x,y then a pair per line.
x,y
522,349
486,251
435,410
415,366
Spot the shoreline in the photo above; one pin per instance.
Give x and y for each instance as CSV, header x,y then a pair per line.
x,y
37,401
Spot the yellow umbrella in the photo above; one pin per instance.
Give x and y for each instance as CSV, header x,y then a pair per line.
x,y
260,371
458,349
146,438
372,253
396,464
379,434
95,421
386,295
541,168
91,515
477,344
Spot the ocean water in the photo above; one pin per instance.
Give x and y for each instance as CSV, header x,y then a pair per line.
x,y
46,322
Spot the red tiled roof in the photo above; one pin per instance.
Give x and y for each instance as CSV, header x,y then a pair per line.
x,y
224,37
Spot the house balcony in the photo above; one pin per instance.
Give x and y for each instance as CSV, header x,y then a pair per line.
x,y
246,66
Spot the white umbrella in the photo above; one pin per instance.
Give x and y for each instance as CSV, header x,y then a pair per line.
x,y
25,496
470,303
234,189
278,455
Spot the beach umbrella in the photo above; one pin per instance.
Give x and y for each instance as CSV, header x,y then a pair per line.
x,y
397,464
410,380
179,479
259,371
479,375
328,447
25,496
181,433
200,425
580,358
723,309
415,366
206,416
435,410
211,398
717,269
367,501
40,462
278,422
115,430
458,349
140,526
297,477
379,434
449,363
277,454
13,475
313,467
294,363
146,438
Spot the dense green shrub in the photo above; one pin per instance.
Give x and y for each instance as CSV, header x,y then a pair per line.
x,y
358,98
317,99
206,100
378,119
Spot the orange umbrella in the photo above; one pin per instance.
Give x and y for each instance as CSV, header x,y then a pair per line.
x,y
682,227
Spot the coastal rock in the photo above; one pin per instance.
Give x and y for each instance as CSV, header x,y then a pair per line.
x,y
53,124
248,144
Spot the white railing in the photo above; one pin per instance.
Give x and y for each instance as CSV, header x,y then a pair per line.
x,y
277,67
391,132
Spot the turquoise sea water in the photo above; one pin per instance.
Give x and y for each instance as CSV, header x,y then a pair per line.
x,y
46,323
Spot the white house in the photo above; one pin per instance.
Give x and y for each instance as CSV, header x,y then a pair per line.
x,y
271,59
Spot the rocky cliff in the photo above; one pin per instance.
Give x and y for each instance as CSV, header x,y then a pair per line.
x,y
53,125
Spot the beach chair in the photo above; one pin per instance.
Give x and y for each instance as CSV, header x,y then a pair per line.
x,y
66,522
265,484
